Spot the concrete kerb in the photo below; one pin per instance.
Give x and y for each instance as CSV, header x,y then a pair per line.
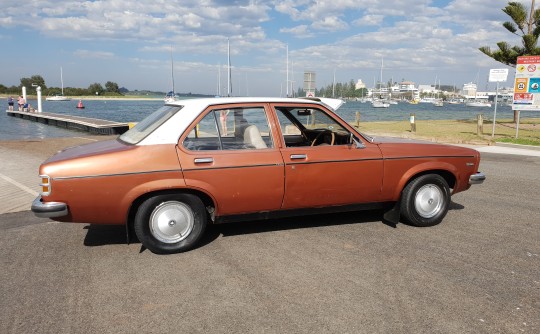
x,y
518,146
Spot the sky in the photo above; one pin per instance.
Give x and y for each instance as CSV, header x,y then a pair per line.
x,y
130,42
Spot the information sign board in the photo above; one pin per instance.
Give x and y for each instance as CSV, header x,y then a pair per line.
x,y
527,83
498,74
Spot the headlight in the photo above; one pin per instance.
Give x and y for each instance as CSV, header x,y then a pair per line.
x,y
45,185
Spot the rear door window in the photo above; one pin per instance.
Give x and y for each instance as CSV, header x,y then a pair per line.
x,y
231,129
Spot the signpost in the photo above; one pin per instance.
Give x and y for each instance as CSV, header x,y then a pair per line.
x,y
526,86
497,75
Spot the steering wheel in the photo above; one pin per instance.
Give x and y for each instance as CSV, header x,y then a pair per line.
x,y
324,132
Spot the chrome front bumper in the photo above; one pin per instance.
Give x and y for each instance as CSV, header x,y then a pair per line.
x,y
48,209
477,178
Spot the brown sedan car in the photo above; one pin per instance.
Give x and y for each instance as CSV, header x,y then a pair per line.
x,y
201,161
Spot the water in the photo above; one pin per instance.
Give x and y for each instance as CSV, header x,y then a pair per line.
x,y
12,128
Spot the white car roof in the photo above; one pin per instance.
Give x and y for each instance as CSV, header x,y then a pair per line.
x,y
332,104
169,132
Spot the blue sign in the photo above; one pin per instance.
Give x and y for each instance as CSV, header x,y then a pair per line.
x,y
534,85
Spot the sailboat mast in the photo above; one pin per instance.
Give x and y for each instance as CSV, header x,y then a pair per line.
x,y
292,79
380,85
287,81
287,70
229,83
62,80
172,71
334,85
219,80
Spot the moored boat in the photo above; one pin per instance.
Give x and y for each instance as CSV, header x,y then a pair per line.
x,y
380,104
59,97
478,104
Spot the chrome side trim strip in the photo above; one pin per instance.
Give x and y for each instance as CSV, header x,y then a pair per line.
x,y
429,157
117,174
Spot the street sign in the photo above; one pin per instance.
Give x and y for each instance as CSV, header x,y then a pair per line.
x,y
498,74
526,84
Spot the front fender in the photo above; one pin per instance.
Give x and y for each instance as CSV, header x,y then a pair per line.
x,y
392,186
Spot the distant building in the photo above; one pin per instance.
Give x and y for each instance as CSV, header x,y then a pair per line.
x,y
469,90
309,83
408,89
427,89
406,86
359,84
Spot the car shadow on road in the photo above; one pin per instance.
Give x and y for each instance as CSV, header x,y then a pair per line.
x,y
101,235
299,222
455,206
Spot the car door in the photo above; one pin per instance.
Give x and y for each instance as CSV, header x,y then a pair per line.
x,y
325,174
229,153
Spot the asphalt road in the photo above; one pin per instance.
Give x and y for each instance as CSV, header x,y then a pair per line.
x,y
477,272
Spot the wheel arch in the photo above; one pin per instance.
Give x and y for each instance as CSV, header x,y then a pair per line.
x,y
447,175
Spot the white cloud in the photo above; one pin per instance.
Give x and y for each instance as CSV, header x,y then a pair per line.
x,y
301,31
330,23
369,20
94,54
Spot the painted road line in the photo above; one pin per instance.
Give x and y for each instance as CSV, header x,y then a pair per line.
x,y
19,185
86,138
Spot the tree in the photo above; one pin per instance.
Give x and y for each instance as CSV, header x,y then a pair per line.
x,y
96,88
35,79
112,87
526,27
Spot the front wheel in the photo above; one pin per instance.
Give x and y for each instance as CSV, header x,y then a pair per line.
x,y
170,223
425,200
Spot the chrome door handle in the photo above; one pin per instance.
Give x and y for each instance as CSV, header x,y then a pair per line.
x,y
203,160
298,156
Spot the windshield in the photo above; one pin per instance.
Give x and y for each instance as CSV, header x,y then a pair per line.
x,y
149,124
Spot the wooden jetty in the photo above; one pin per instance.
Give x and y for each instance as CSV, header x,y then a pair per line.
x,y
92,125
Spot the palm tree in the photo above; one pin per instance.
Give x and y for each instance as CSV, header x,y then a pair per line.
x,y
528,28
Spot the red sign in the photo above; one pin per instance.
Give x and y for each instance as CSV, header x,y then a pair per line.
x,y
523,98
528,60
531,68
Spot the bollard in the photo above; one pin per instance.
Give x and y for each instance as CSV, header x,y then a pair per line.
x,y
357,119
480,124
413,122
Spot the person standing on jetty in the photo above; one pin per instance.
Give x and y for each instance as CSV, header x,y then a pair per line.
x,y
21,102
10,103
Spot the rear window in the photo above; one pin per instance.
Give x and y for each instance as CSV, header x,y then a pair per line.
x,y
145,127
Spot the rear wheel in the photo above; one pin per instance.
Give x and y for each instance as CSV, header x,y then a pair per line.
x,y
170,223
425,200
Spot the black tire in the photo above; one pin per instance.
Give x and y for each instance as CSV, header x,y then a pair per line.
x,y
425,200
170,223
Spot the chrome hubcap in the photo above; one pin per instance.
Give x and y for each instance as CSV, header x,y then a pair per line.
x,y
171,222
428,201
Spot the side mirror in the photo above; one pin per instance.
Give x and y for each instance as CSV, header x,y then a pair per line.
x,y
357,143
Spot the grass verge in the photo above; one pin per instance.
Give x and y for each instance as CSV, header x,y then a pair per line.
x,y
458,131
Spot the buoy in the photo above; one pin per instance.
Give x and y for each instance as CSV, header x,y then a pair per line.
x,y
80,105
